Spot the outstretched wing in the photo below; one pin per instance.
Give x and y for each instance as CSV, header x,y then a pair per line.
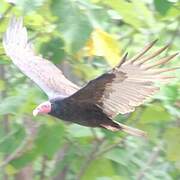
x,y
44,73
127,85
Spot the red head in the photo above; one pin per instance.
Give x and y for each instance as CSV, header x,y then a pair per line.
x,y
43,108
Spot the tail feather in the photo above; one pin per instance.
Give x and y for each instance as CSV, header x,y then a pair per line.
x,y
116,126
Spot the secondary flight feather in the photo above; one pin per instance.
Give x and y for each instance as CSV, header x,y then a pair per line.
x,y
119,90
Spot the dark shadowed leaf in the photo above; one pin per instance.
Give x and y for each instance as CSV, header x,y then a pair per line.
x,y
53,50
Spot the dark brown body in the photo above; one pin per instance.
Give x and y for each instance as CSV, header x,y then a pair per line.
x,y
84,113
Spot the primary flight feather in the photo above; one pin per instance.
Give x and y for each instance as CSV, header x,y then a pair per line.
x,y
44,73
119,90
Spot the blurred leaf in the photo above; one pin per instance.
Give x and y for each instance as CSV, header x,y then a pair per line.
x,y
2,85
10,105
125,9
128,11
47,143
142,10
21,103
49,139
110,178
86,71
155,112
96,14
74,24
162,6
173,12
77,131
3,7
98,168
24,159
173,144
12,140
28,5
118,155
10,170
169,94
103,44
53,50
4,62
174,111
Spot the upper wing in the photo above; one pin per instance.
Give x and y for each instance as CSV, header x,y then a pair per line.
x,y
44,73
127,85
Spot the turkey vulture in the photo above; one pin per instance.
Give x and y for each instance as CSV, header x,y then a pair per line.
x,y
119,90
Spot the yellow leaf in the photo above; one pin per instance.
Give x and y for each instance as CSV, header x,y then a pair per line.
x,y
103,44
90,48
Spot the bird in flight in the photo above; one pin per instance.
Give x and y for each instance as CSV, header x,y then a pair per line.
x,y
119,90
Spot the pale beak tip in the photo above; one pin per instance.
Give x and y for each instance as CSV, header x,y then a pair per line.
x,y
35,112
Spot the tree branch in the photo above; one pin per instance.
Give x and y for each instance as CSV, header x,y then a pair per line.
x,y
89,159
16,152
110,147
152,158
43,170
30,134
60,157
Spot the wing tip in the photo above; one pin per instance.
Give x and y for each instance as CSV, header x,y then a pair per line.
x,y
15,35
155,41
123,59
143,51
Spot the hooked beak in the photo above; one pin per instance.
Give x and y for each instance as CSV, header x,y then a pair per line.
x,y
35,112
43,108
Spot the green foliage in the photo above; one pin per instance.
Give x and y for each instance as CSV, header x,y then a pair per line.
x,y
132,12
70,14
53,49
99,167
173,144
84,38
11,141
49,139
28,6
162,6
